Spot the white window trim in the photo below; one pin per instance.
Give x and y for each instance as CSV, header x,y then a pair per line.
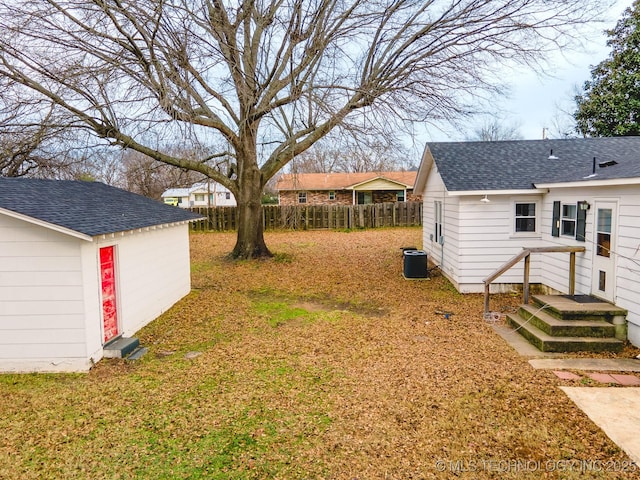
x,y
568,219
536,233
437,220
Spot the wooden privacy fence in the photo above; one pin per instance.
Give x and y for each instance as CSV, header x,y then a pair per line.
x,y
313,217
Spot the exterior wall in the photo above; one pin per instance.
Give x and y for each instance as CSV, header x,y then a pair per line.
x,y
42,308
318,197
218,197
487,240
153,273
626,253
442,254
342,197
478,237
50,307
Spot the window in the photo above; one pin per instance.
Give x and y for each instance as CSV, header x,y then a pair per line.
x,y
400,196
570,220
603,232
199,197
437,220
302,197
227,195
525,217
365,198
568,224
332,195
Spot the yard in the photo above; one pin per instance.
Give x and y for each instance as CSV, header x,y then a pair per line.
x,y
323,363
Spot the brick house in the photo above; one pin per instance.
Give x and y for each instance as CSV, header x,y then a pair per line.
x,y
346,188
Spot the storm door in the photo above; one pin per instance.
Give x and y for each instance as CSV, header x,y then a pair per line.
x,y
603,279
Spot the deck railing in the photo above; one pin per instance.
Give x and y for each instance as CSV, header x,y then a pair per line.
x,y
526,255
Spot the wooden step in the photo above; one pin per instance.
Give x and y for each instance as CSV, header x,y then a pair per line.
x,y
548,343
556,327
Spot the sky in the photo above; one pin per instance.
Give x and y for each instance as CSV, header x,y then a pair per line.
x,y
535,99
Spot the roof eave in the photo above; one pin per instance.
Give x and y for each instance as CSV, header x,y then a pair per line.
x,y
379,177
528,191
592,182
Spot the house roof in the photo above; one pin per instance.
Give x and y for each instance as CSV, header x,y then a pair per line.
x,y
176,192
340,181
200,187
521,164
90,208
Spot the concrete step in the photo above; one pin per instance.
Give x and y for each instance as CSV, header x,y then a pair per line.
x,y
565,308
548,343
138,353
120,348
565,328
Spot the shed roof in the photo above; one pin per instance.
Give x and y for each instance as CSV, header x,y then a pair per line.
x,y
90,208
340,181
521,164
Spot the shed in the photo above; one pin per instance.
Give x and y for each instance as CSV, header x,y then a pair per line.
x,y
81,265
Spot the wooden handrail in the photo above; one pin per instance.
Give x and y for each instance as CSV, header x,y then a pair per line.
x,y
526,255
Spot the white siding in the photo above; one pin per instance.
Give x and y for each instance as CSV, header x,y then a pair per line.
x,y
445,256
556,265
488,240
627,253
153,273
479,236
41,299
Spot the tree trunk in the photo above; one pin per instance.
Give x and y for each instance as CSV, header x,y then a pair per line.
x,y
250,242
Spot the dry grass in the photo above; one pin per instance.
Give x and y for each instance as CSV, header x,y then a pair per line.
x,y
321,363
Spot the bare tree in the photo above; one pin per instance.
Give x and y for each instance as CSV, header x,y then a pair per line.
x,y
267,79
31,146
146,176
335,154
494,129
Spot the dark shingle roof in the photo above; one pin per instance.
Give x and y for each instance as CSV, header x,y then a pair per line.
x,y
91,208
519,164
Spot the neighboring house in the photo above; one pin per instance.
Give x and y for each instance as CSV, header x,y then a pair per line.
x,y
81,264
345,188
200,195
485,201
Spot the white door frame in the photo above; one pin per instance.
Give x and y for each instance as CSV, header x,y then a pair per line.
x,y
603,267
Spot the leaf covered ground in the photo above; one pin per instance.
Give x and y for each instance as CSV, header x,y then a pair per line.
x,y
321,363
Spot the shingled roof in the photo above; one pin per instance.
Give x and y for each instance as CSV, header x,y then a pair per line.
x,y
521,164
340,181
91,208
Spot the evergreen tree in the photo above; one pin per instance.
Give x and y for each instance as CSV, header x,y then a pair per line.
x,y
610,104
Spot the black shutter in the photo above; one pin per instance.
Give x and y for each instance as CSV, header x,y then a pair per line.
x,y
581,221
555,222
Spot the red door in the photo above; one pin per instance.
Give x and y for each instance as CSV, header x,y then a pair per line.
x,y
108,285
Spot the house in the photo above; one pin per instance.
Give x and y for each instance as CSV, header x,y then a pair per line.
x,y
486,201
82,264
201,194
345,188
